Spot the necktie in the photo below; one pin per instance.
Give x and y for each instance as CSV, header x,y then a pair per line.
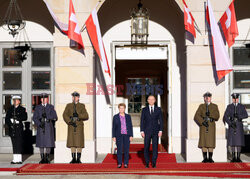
x,y
152,110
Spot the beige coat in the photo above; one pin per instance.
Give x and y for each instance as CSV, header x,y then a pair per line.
x,y
75,139
207,140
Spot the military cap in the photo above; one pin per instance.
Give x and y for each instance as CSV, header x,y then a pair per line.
x,y
235,95
44,95
16,97
75,93
207,94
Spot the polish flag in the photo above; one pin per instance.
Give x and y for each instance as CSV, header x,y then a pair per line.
x,y
94,32
229,25
62,27
71,30
222,61
188,20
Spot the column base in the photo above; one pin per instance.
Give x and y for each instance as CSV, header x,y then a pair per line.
x,y
194,154
63,154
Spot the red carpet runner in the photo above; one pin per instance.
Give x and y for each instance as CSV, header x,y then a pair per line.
x,y
166,165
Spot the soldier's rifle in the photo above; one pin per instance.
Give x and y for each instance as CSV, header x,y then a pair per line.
x,y
74,118
234,119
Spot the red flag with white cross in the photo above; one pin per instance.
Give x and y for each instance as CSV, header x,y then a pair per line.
x,y
229,25
188,20
74,31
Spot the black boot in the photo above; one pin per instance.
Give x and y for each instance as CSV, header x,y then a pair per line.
x,y
210,159
233,157
42,159
205,160
78,158
238,157
73,158
47,158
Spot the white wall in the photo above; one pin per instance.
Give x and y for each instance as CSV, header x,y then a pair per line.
x,y
36,32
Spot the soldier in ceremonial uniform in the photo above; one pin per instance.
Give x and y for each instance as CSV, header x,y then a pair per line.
x,y
16,114
44,116
233,116
74,115
205,117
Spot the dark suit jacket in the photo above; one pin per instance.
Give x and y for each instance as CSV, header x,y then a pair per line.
x,y
151,123
116,127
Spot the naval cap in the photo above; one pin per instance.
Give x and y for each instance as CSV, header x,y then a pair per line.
x,y
235,95
16,97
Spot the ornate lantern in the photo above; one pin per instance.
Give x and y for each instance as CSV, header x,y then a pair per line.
x,y
139,25
13,20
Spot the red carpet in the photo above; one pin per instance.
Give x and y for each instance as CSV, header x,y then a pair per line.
x,y
234,170
166,165
8,169
138,158
140,147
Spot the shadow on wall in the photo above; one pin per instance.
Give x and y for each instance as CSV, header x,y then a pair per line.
x,y
166,13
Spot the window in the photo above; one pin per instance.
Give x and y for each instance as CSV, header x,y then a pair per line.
x,y
11,58
241,56
138,90
40,80
40,57
240,79
28,79
12,80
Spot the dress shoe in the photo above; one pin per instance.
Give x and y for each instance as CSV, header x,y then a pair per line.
x,y
147,165
126,166
154,165
119,166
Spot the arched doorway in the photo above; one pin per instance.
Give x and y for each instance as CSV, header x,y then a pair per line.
x,y
115,26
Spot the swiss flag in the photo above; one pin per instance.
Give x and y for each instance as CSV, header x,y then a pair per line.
x,y
94,32
71,30
222,61
74,31
188,20
229,25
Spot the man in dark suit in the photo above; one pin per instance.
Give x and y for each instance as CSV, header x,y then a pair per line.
x,y
151,128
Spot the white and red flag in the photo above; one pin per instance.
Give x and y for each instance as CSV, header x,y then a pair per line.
x,y
188,20
229,25
71,30
94,32
222,61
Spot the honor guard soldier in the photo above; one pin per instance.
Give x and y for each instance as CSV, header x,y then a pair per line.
x,y
74,115
233,116
16,114
205,117
44,118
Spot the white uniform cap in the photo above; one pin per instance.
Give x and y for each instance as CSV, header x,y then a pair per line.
x,y
16,97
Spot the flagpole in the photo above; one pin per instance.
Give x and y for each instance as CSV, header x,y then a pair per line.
x,y
84,26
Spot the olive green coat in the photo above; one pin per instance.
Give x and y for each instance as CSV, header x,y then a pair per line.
x,y
75,139
207,139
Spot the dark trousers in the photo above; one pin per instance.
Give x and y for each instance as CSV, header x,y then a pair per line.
x,y
147,141
122,143
17,139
